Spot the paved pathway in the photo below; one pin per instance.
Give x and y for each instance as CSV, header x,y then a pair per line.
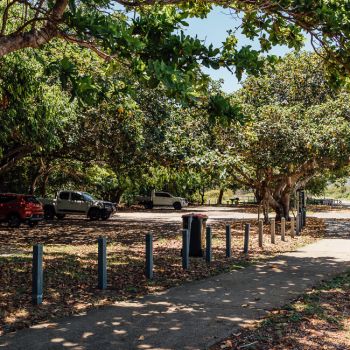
x,y
195,315
338,228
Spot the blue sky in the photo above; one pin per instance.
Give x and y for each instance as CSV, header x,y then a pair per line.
x,y
214,29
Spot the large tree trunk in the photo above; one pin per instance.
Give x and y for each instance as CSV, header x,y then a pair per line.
x,y
118,195
266,212
221,196
34,182
278,208
285,204
262,194
202,193
43,185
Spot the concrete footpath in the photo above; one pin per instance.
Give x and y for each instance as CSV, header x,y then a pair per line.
x,y
195,315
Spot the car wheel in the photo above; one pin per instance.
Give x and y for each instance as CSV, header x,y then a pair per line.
x,y
32,224
148,205
94,214
177,206
14,220
105,215
60,216
49,213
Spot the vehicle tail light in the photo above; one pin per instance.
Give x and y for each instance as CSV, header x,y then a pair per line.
x,y
24,204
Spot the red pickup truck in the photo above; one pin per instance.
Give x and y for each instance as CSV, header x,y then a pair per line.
x,y
19,208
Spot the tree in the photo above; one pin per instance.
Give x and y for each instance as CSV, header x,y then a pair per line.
x,y
154,46
33,112
293,133
118,126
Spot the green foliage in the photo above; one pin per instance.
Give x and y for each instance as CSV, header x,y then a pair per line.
x,y
148,37
33,112
297,127
221,109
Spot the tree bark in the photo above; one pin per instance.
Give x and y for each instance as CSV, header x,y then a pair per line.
x,y
43,185
285,204
221,195
35,37
118,194
34,182
202,193
266,212
13,157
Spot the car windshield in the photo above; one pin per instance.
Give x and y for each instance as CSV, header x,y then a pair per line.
x,y
31,199
88,197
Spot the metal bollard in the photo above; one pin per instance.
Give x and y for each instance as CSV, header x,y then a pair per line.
x,y
298,225
228,241
246,238
149,256
261,230
37,273
273,231
304,217
292,227
102,263
185,249
208,237
283,229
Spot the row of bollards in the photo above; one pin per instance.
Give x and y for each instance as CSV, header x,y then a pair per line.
x,y
208,249
37,268
38,275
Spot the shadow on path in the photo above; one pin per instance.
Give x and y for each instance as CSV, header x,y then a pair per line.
x,y
195,315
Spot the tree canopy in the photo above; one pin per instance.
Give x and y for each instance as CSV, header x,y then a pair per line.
x,y
148,36
298,128
115,98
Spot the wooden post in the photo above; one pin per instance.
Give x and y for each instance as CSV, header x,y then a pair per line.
x,y
228,241
283,229
185,249
149,256
246,238
261,230
208,255
292,227
273,231
102,263
37,273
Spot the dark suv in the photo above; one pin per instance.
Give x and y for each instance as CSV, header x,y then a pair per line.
x,y
19,208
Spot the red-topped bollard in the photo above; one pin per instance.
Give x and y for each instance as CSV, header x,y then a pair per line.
x,y
196,224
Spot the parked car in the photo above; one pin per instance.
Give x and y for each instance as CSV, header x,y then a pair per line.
x,y
19,208
158,198
76,203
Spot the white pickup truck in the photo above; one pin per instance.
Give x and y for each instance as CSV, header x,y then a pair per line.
x,y
158,199
76,203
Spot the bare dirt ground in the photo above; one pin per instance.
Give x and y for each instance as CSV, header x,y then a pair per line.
x,y
70,260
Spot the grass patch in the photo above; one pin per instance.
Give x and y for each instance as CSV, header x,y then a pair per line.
x,y
319,319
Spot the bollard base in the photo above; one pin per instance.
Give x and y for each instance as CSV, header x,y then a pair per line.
x,y
37,299
199,255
